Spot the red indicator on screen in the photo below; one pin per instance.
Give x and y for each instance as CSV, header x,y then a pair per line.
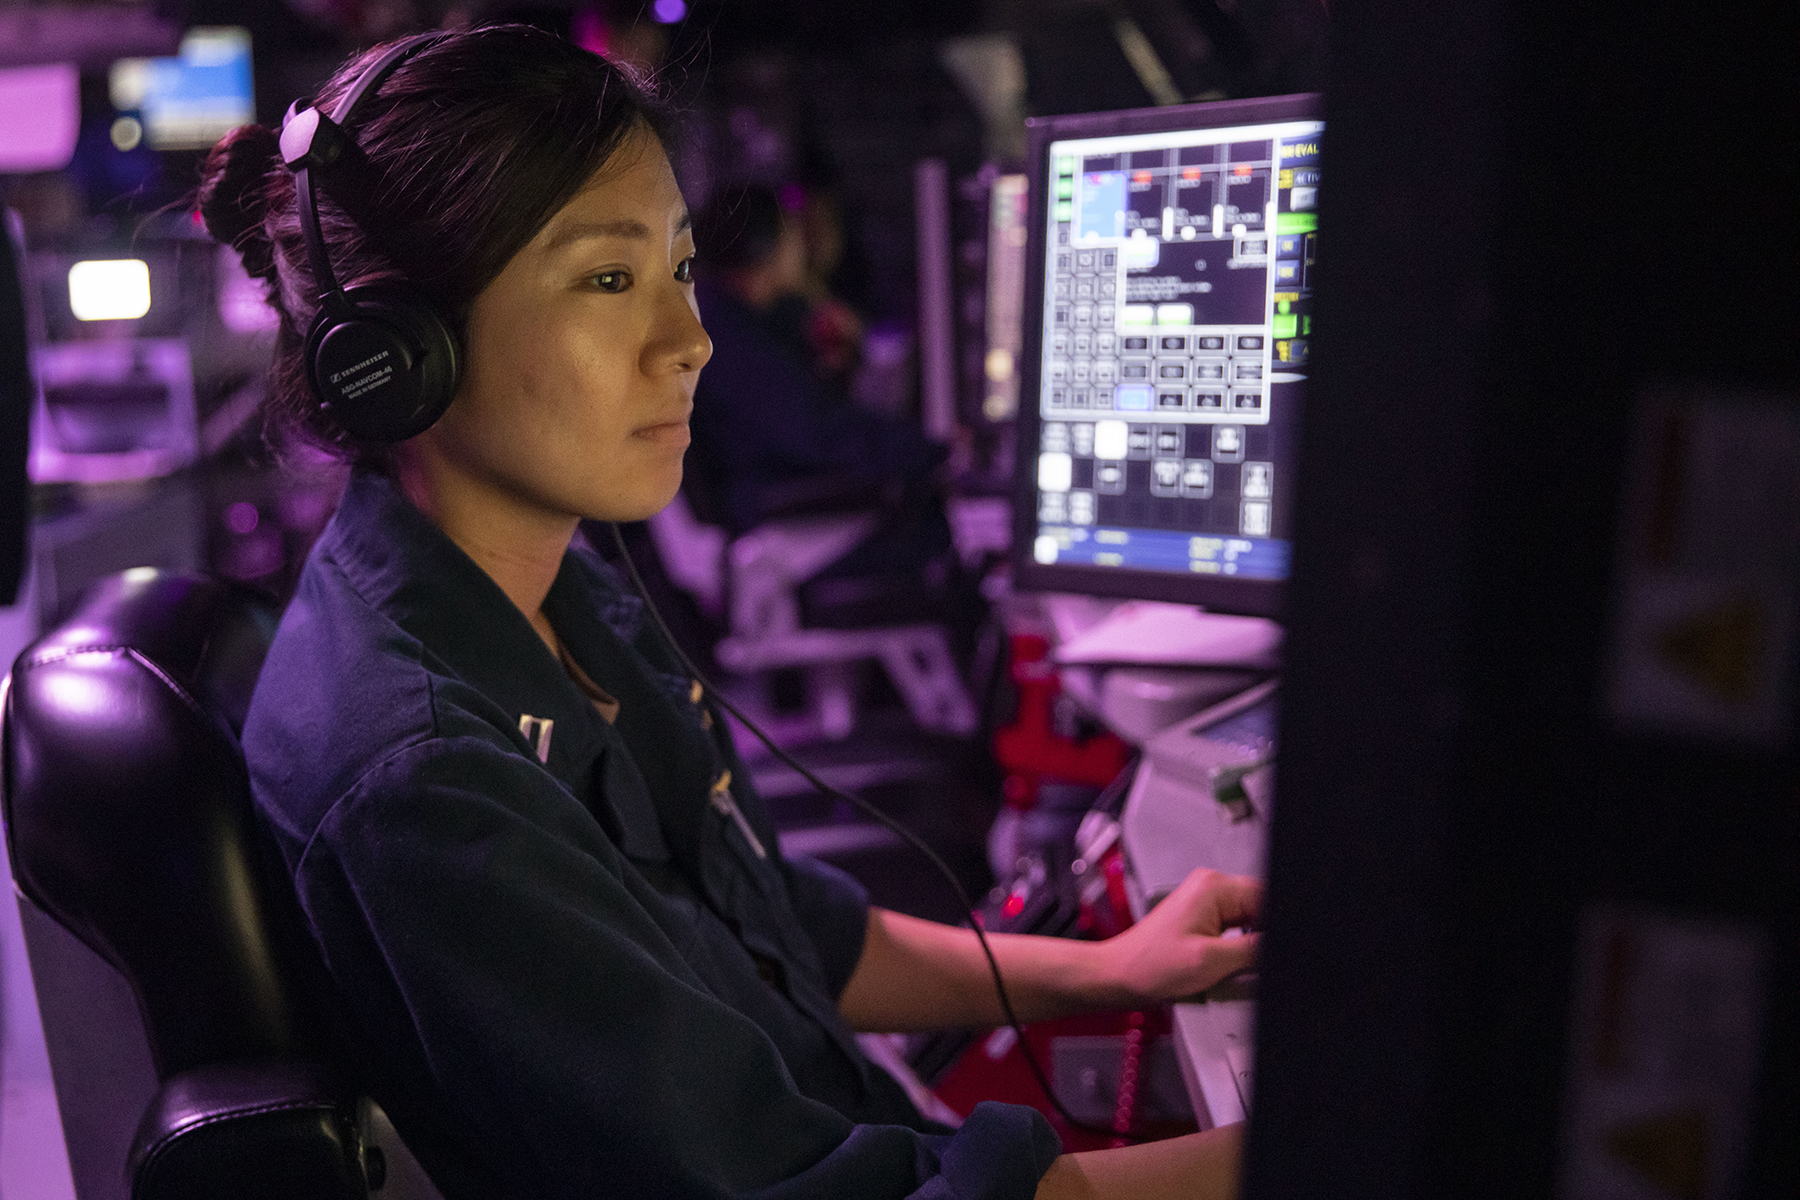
x,y
1240,170
1191,173
1140,177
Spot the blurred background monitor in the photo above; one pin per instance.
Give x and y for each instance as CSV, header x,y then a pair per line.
x,y
191,100
1168,315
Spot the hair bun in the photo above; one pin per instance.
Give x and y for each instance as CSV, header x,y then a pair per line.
x,y
234,194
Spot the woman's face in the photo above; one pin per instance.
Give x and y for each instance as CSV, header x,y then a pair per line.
x,y
583,353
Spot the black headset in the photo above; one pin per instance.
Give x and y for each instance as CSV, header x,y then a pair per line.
x,y
380,358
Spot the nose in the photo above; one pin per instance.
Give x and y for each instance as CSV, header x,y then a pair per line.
x,y
681,343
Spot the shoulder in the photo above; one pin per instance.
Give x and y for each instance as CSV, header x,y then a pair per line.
x,y
343,691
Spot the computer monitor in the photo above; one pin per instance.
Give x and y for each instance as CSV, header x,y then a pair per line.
x,y
1168,315
190,101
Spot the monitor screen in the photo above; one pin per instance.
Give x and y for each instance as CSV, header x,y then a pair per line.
x,y
192,100
1169,286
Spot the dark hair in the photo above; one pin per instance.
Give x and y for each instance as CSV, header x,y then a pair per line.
x,y
475,141
739,226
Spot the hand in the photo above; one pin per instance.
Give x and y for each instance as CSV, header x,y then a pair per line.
x,y
1177,950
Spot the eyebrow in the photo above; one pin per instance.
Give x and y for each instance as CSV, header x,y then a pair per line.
x,y
628,228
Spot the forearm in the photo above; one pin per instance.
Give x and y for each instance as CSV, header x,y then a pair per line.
x,y
917,974
1201,1166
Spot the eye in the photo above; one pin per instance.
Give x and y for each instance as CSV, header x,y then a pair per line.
x,y
612,281
684,270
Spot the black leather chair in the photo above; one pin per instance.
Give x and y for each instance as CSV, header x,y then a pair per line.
x,y
189,1025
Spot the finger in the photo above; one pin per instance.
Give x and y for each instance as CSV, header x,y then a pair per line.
x,y
1195,889
1227,956
1237,897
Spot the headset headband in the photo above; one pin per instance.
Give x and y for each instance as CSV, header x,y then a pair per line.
x,y
311,140
380,359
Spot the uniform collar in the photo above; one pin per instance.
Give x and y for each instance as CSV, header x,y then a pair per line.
x,y
409,569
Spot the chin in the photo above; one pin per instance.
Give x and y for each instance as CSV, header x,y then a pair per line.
x,y
644,502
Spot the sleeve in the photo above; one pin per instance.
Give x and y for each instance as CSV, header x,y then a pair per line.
x,y
485,931
833,908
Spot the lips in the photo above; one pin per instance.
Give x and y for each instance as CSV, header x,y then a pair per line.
x,y
664,431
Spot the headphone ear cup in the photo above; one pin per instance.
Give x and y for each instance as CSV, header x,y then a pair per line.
x,y
387,371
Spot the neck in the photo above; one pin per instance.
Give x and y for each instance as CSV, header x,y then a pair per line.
x,y
518,544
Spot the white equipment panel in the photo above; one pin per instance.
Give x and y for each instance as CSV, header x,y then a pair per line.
x,y
1202,798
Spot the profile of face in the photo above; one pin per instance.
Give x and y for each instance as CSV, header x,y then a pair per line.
x,y
582,355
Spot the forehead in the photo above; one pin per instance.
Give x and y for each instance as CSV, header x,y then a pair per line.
x,y
632,195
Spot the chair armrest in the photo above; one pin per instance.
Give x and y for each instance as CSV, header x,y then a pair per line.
x,y
274,1130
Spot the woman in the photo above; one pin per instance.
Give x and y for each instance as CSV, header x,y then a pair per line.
x,y
574,959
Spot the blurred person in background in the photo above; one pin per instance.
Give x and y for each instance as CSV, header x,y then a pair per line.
x,y
774,437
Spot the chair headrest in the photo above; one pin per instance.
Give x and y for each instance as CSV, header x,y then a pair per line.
x,y
128,811
209,636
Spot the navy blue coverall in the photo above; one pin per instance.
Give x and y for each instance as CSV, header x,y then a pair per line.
x,y
576,977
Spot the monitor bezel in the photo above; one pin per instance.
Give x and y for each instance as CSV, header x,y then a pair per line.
x,y
1249,597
